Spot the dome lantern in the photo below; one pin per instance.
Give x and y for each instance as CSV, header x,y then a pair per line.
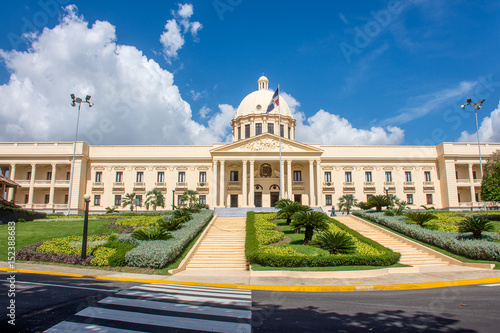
x,y
263,83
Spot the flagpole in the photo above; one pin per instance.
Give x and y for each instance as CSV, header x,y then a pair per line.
x,y
279,134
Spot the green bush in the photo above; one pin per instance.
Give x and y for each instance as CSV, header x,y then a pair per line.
x,y
158,253
334,242
121,248
420,218
286,256
453,242
151,233
172,223
475,225
265,229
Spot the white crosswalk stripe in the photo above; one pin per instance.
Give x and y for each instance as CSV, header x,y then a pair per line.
x,y
155,307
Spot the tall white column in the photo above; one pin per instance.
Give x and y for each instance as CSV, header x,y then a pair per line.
x,y
319,185
52,186
472,186
222,185
12,176
215,193
252,184
289,180
244,180
32,186
282,180
311,183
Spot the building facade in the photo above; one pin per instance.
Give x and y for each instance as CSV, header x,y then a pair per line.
x,y
245,172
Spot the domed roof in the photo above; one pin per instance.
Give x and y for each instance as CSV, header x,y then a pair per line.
x,y
258,101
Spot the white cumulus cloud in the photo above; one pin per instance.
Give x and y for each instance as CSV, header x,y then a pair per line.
x,y
331,129
136,101
488,130
172,38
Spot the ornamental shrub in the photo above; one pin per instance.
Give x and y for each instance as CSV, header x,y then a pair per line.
x,y
334,242
151,233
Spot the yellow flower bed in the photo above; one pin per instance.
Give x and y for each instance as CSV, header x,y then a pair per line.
x,y
139,221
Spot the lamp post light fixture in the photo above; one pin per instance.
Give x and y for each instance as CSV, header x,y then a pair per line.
x,y
86,197
74,102
477,106
386,191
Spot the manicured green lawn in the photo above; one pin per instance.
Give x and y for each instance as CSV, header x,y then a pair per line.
x,y
297,240
36,231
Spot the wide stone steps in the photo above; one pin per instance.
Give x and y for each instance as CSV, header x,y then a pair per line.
x,y
410,255
223,246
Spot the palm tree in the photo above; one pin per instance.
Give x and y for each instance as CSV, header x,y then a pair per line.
x,y
190,196
346,202
291,208
128,199
154,198
420,218
379,201
335,242
280,204
310,220
476,225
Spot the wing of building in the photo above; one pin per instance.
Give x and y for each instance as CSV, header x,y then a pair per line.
x,y
245,172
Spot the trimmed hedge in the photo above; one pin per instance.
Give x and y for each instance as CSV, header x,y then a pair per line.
x,y
257,254
461,244
10,214
158,253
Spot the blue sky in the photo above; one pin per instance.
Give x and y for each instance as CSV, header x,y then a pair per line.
x,y
162,72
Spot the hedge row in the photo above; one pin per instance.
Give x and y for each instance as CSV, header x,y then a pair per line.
x,y
257,254
158,253
453,242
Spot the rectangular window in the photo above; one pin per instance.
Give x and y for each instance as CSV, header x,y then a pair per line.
x,y
98,176
239,132
328,176
477,197
282,131
348,176
28,175
409,199
68,175
160,177
49,175
66,197
118,200
26,198
247,131
474,176
459,198
289,132
140,177
179,201
181,178
270,128
297,176
139,200
119,176
368,176
47,198
388,176
328,199
258,128
203,199
97,200
368,197
408,176
203,177
429,199
427,176
233,176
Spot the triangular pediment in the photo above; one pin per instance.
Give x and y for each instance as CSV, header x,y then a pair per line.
x,y
266,143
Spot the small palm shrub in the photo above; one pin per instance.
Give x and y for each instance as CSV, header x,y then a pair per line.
x,y
420,218
335,242
153,233
110,210
171,224
181,212
364,205
475,225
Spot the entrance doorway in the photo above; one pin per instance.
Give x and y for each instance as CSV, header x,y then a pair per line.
x,y
234,200
258,199
297,198
275,196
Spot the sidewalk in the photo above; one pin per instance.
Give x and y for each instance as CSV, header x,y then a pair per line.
x,y
380,279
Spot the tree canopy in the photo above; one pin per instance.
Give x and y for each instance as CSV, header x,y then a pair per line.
x,y
490,187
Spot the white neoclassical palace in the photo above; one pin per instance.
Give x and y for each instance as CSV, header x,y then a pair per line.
x,y
245,172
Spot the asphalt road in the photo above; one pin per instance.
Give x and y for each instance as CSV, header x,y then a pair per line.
x,y
43,301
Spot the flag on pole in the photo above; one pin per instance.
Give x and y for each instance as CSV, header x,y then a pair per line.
x,y
275,101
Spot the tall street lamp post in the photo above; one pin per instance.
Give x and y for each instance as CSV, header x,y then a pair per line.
x,y
74,101
86,197
477,106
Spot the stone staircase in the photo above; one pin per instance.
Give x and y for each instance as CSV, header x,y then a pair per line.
x,y
223,246
410,255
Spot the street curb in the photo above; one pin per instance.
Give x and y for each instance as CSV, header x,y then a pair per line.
x,y
357,287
